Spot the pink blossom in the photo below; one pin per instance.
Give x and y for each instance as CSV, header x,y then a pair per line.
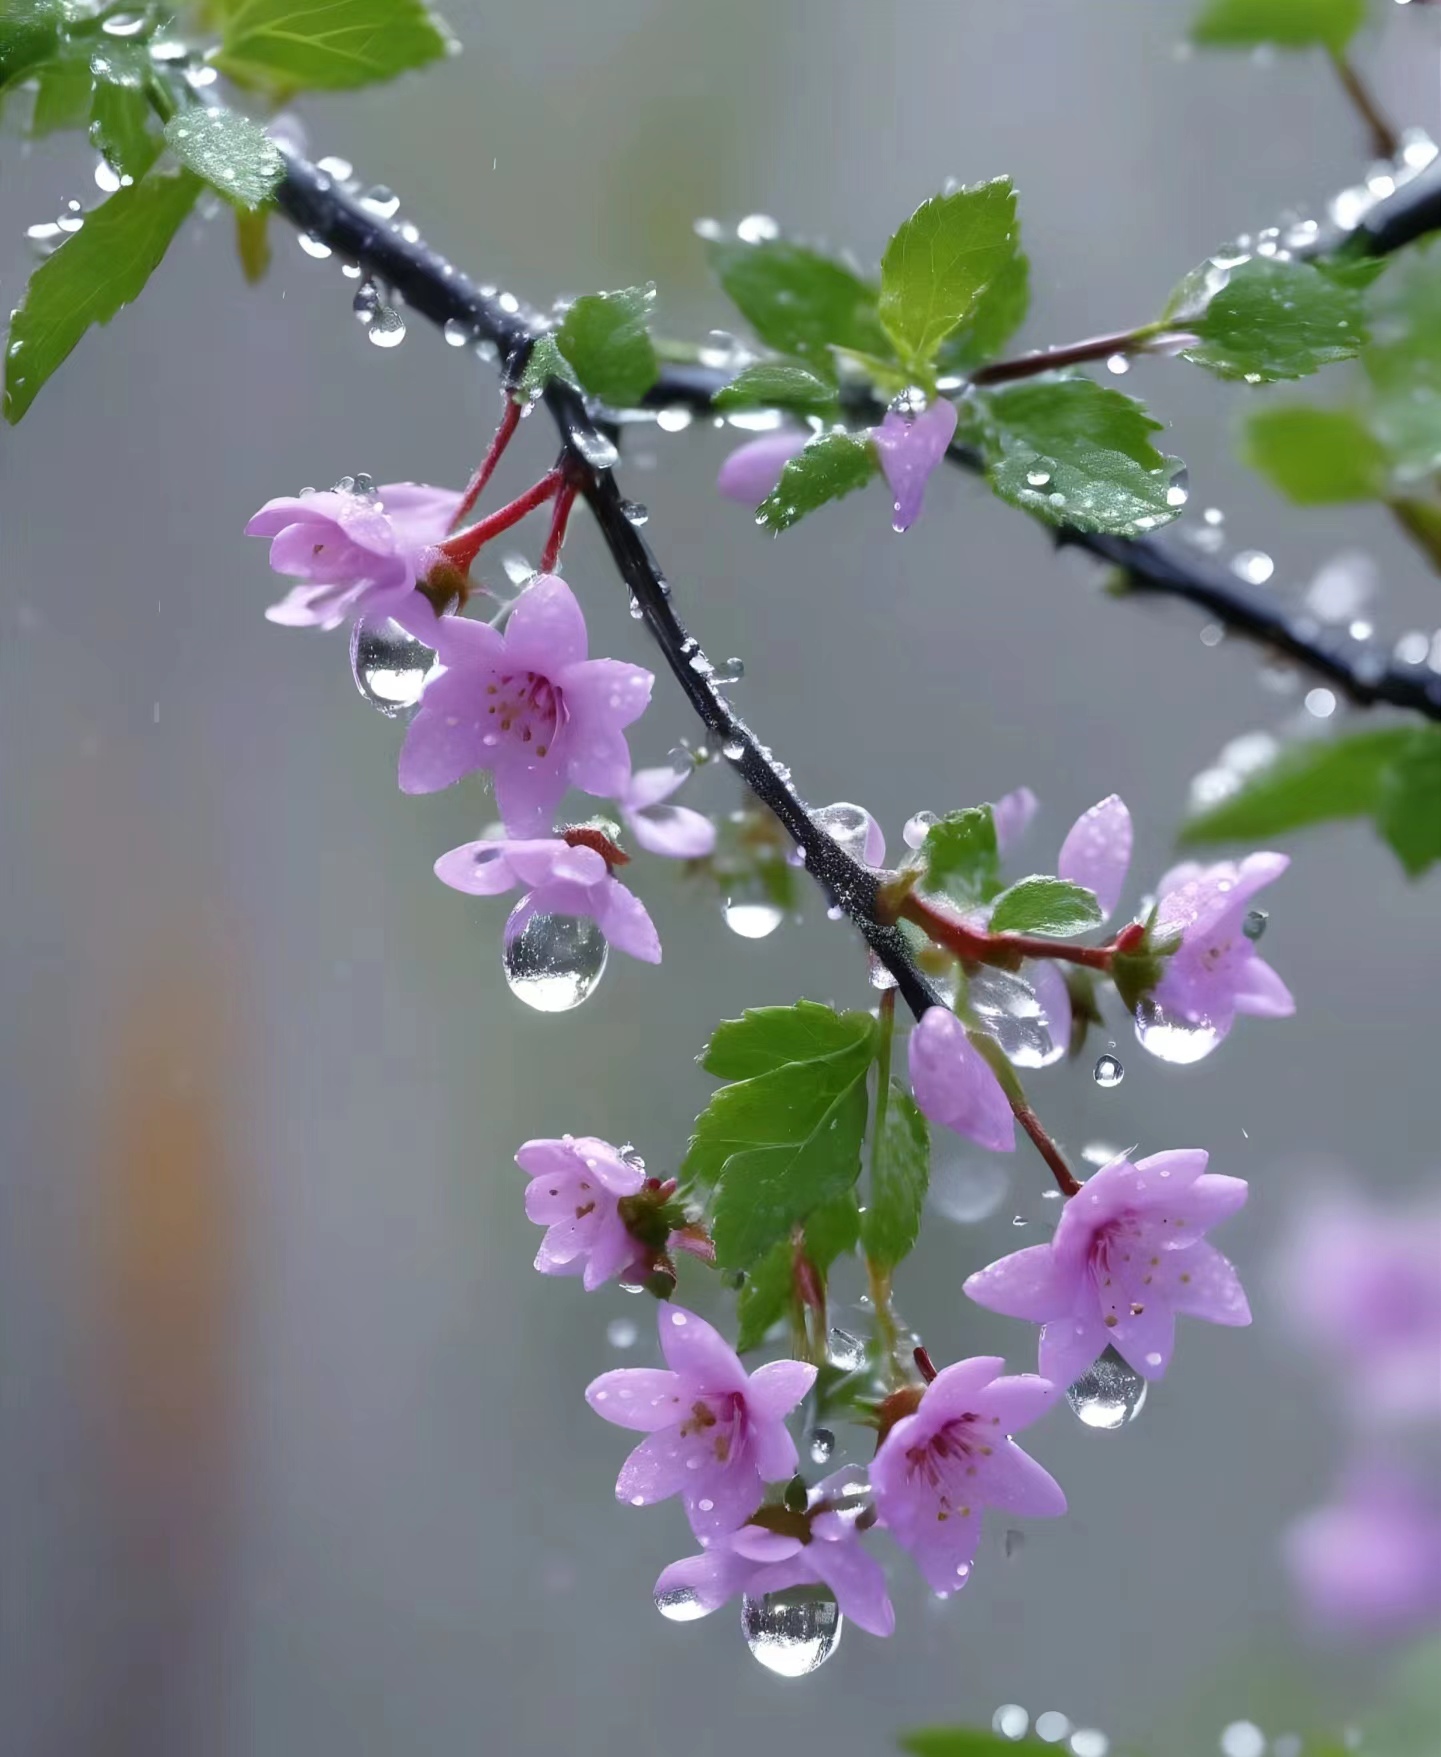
x,y
353,552
1097,851
752,470
1363,1287
1367,1566
1012,814
559,880
673,830
575,1189
527,705
824,1550
939,1468
1215,973
910,447
1128,1256
713,1435
954,1085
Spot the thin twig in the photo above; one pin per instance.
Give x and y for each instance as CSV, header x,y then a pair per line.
x,y
1385,142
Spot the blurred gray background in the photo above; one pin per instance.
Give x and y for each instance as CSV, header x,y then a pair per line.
x,y
295,1456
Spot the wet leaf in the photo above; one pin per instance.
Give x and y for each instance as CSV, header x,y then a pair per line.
x,y
832,466
1291,24
606,339
1408,805
1052,906
900,1174
777,384
940,262
999,313
962,856
799,301
233,155
121,127
323,45
1275,320
1316,456
30,33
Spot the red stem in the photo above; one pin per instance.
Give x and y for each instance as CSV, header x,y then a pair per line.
x,y
979,946
1066,1180
509,421
462,549
1124,341
559,519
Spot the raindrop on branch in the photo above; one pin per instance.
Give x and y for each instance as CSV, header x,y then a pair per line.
x,y
456,333
728,671
917,828
555,962
382,202
792,1633
366,303
389,665
595,448
1109,1395
848,826
387,328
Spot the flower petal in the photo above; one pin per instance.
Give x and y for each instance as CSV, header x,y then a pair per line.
x,y
623,920
1261,993
1209,1287
909,448
656,1469
673,830
480,869
752,470
776,1388
1030,1284
858,1581
1097,851
545,632
1012,814
699,1352
644,1398
1011,1480
1070,1345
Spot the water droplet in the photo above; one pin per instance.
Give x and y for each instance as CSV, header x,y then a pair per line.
x,y
366,302
316,247
595,448
1011,1720
1252,565
791,1633
382,202
1052,1726
1243,1738
729,671
636,613
621,1333
848,826
674,420
845,1351
1109,1394
757,229
733,750
387,327
822,1444
635,512
1089,1742
751,918
917,828
338,169
1255,924
1010,1010
107,177
1109,1072
124,24
456,333
680,1605
1174,1040
389,665
1119,364
1038,478
1321,702
555,961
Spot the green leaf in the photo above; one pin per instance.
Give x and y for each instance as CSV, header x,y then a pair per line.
x,y
1052,906
766,1296
1408,803
900,1173
1307,783
327,45
1077,454
1316,456
606,338
999,313
120,128
102,267
544,362
831,466
1291,24
766,1038
235,158
1403,361
777,384
63,98
797,300
965,1741
939,263
782,1143
1276,320
1421,521
962,856
833,1231
30,33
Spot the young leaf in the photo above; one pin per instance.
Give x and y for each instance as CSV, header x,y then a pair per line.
x,y
1408,804
831,466
766,1295
798,301
606,338
324,45
100,268
962,856
778,384
63,98
1052,906
900,1173
833,1231
252,244
30,33
1403,361
235,158
1077,454
999,313
1316,456
544,362
939,263
766,1038
120,127
1291,24
1276,320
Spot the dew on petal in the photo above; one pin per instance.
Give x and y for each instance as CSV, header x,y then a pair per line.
x,y
389,665
792,1633
681,1604
555,962
1109,1394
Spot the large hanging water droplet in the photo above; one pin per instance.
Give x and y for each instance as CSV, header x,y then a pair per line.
x,y
457,333
791,1633
595,448
917,828
822,1444
680,1605
728,671
752,917
366,302
849,826
1109,1394
845,1351
1010,1010
1109,1072
555,961
387,327
389,665
1174,1040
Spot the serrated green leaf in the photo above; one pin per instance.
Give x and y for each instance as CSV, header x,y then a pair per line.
x,y
939,263
1275,320
1041,904
327,45
1402,360
1306,783
766,1038
1316,456
799,301
777,384
1290,24
544,362
1079,454
965,1741
900,1174
102,267
999,313
237,159
120,127
1408,805
766,1296
30,32
833,1231
833,465
962,856
606,338
63,98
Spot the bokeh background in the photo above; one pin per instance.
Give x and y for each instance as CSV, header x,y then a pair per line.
x,y
294,1452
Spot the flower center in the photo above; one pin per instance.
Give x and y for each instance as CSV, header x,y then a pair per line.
x,y
524,706
718,1422
946,1463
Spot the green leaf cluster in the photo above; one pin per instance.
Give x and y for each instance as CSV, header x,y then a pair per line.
x,y
605,337
962,857
940,263
1391,775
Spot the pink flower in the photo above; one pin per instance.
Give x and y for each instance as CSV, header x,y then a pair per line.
x,y
910,447
713,1436
1363,1287
527,705
1097,851
953,1084
1011,815
1368,1565
673,830
356,552
560,880
574,1192
939,1468
752,470
1215,973
825,1550
1127,1257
